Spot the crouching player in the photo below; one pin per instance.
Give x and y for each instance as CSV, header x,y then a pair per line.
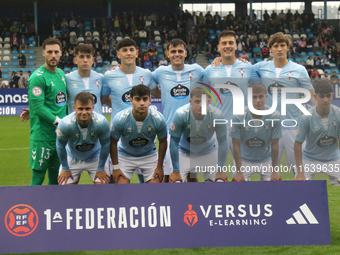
x,y
192,145
137,126
83,143
256,139
321,132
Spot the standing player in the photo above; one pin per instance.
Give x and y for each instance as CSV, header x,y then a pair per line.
x,y
321,132
137,128
192,144
83,142
174,81
231,71
256,141
47,104
283,73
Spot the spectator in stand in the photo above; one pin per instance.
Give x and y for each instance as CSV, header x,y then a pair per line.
x,y
139,62
74,41
31,31
147,63
22,60
193,55
152,44
73,24
262,43
309,63
108,23
326,76
265,52
244,55
23,43
257,51
99,60
317,62
14,42
334,77
106,53
331,55
324,62
63,61
324,44
70,59
154,58
315,74
80,29
14,28
209,52
23,29
163,62
116,25
23,79
142,34
114,53
14,81
302,45
3,85
97,45
148,24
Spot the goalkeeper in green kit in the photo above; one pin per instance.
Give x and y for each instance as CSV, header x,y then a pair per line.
x,y
47,104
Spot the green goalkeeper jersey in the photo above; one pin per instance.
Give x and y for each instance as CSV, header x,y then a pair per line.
x,y
47,100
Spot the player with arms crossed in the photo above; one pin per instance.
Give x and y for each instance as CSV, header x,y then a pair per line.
x,y
137,127
83,143
230,71
283,73
256,140
47,104
192,142
174,81
321,132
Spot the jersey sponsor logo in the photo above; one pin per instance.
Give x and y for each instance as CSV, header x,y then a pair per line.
x,y
326,142
255,143
21,220
84,147
39,73
36,91
225,91
190,216
275,85
94,99
126,98
139,142
60,98
179,92
172,126
196,139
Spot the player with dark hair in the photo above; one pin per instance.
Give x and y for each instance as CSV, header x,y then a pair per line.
x,y
321,132
256,141
137,127
83,143
192,144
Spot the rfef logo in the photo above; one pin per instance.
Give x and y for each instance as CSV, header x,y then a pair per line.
x,y
190,216
21,220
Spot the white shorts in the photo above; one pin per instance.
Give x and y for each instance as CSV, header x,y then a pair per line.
x,y
189,164
167,160
331,168
146,165
264,169
287,143
77,167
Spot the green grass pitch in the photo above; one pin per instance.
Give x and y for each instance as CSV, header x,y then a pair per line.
x,y
14,171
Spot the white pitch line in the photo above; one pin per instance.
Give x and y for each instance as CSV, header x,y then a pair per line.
x,y
10,149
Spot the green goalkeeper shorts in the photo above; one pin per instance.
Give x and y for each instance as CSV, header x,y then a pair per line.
x,y
43,156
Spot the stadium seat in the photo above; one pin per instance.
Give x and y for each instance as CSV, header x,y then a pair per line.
x,y
258,60
339,76
0,51
303,54
31,45
96,33
335,70
67,69
158,39
310,36
114,63
57,33
6,58
74,69
23,69
99,69
308,30
211,32
81,39
250,55
73,33
92,68
303,35
31,39
5,70
251,60
291,59
5,76
311,54
87,28
318,53
31,58
15,52
0,45
206,43
160,56
31,70
7,52
304,59
87,23
106,69
106,63
159,51
286,31
212,37
236,37
31,52
0,59
119,38
328,71
14,64
96,38
14,70
23,52
298,60
296,36
156,32
14,58
31,64
143,44
218,32
210,61
1,40
7,39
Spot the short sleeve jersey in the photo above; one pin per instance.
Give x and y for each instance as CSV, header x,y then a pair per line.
x,y
46,92
83,143
137,141
321,144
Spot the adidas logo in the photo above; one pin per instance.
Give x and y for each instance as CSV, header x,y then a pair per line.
x,y
298,216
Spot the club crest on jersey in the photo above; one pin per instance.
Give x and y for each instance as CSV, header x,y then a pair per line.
x,y
190,74
275,85
179,92
141,79
298,131
242,72
290,74
209,126
97,83
60,98
227,92
172,126
36,91
92,134
149,129
334,123
267,127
